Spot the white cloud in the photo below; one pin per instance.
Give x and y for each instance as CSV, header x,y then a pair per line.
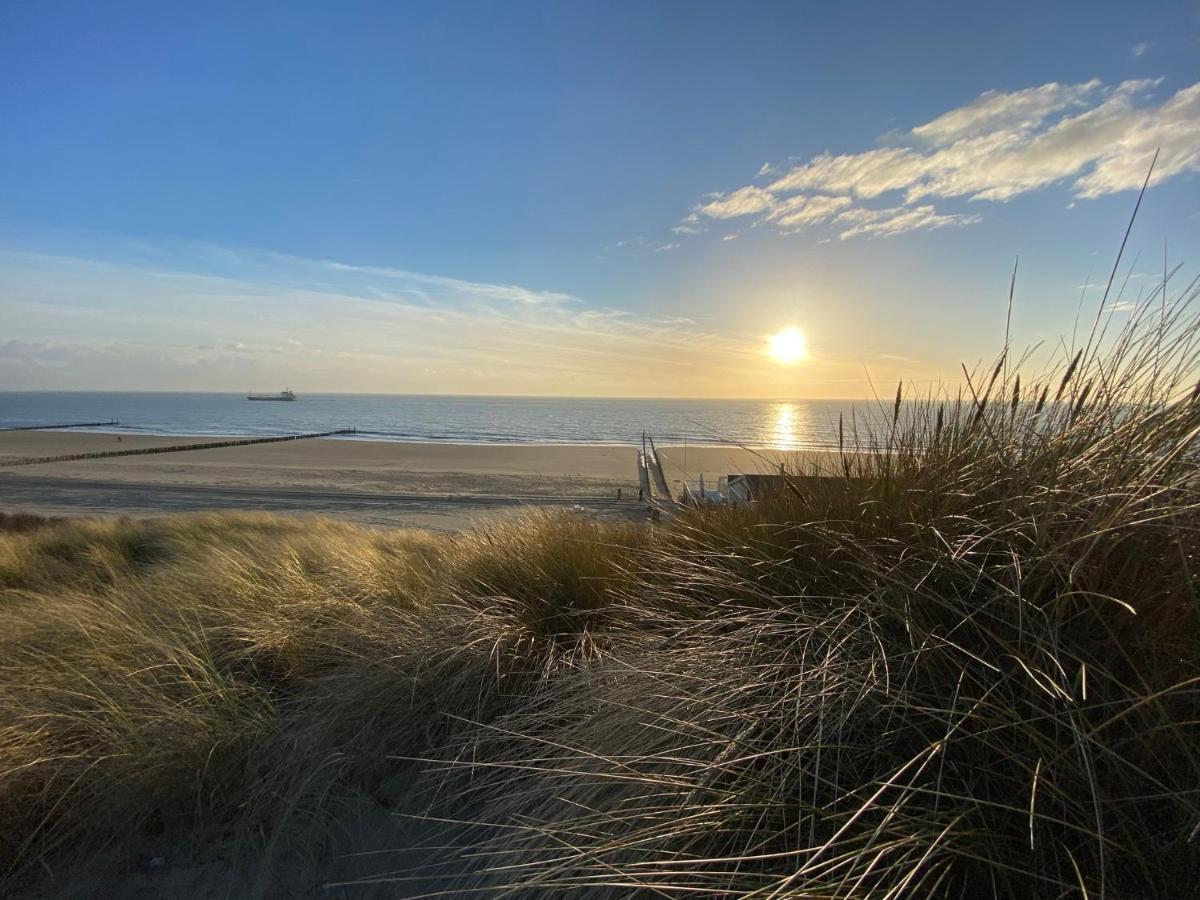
x,y
806,210
1173,129
867,174
689,225
742,202
1014,110
890,222
662,248
1140,48
1095,138
1115,138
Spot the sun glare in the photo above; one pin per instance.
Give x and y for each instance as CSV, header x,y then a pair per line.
x,y
787,346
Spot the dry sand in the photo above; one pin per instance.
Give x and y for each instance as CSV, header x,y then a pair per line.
x,y
422,484
337,465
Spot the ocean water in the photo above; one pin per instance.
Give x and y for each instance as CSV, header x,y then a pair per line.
x,y
782,424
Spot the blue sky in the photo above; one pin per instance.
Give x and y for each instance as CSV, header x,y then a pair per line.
x,y
605,199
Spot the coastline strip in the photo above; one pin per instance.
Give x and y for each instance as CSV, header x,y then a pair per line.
x,y
173,448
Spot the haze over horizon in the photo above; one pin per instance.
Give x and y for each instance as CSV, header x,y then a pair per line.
x,y
555,200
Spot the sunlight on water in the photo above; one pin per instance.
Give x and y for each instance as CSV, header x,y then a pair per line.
x,y
788,431
784,425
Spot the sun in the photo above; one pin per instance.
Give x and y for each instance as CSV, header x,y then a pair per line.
x,y
787,346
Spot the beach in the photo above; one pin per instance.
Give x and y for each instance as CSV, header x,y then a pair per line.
x,y
442,486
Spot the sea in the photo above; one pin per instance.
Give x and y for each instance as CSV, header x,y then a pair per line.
x,y
782,424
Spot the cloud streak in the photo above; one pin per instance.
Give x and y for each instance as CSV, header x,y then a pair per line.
x,y
1097,139
505,293
329,326
886,222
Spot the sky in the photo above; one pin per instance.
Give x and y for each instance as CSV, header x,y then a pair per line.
x,y
594,199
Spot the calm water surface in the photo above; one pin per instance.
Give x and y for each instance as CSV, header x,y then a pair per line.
x,y
491,420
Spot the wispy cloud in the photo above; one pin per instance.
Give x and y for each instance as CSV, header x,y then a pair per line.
x,y
996,111
689,225
1139,49
806,210
322,325
1096,138
742,202
899,219
507,293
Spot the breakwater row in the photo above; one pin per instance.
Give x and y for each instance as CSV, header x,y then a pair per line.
x,y
66,425
172,448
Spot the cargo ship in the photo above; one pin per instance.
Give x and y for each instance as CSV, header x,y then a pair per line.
x,y
282,395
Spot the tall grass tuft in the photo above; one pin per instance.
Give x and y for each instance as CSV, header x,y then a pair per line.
x,y
970,667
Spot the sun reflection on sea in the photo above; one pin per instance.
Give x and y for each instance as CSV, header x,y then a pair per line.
x,y
788,428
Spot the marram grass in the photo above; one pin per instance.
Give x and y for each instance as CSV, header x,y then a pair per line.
x,y
968,667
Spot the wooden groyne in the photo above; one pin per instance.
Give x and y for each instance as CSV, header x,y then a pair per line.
x,y
67,425
172,448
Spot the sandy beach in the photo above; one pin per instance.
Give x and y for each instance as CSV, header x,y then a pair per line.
x,y
420,484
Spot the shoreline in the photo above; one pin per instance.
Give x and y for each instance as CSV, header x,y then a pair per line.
x,y
367,437
423,484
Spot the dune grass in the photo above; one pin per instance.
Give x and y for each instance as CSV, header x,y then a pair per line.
x,y
970,666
